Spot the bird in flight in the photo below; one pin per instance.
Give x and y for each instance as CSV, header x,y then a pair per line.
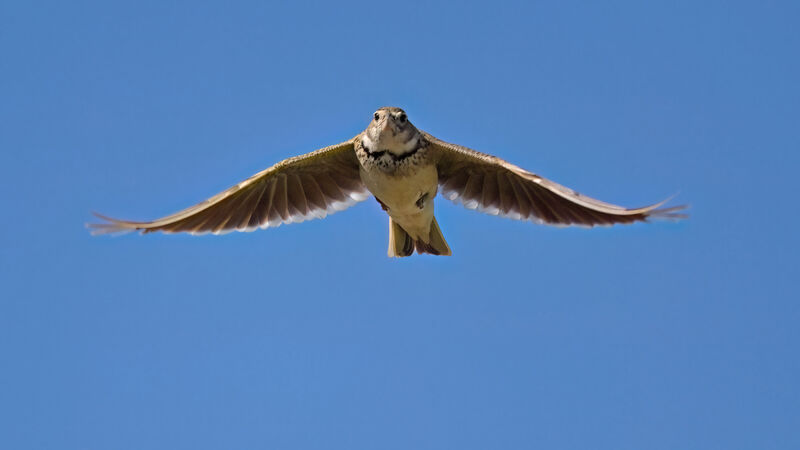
x,y
403,168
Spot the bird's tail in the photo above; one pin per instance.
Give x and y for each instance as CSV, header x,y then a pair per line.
x,y
401,244
436,244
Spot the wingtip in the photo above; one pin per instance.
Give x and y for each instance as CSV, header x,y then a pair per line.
x,y
113,226
106,218
671,212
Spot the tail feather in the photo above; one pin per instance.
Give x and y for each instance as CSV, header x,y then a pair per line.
x,y
400,243
424,247
436,244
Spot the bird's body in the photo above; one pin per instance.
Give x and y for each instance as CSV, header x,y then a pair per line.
x,y
403,168
397,167
407,199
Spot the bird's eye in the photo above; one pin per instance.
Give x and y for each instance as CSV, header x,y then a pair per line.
x,y
402,117
377,116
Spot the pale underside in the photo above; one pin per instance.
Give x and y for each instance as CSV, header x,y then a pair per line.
x,y
401,197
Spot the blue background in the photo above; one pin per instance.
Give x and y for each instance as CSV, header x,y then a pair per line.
x,y
652,336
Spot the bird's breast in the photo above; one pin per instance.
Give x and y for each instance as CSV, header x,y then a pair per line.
x,y
401,193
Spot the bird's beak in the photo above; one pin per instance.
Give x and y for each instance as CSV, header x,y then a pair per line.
x,y
386,128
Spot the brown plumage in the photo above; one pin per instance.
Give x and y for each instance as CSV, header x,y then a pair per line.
x,y
492,185
403,167
305,187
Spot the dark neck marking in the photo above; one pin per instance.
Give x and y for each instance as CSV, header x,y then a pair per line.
x,y
379,154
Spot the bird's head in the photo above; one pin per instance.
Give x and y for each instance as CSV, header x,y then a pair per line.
x,y
391,130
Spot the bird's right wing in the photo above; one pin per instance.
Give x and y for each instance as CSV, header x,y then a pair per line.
x,y
300,188
495,186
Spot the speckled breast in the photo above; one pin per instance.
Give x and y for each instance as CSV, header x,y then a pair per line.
x,y
390,163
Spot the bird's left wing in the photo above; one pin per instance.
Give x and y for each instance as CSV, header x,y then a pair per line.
x,y
304,187
495,186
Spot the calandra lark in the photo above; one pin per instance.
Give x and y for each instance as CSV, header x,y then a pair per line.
x,y
403,168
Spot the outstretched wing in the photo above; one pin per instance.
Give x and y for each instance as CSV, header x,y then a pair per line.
x,y
494,186
304,187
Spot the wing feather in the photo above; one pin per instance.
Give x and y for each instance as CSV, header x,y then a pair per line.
x,y
313,193
489,196
492,185
522,200
300,188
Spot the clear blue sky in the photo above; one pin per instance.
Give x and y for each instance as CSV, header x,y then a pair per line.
x,y
652,336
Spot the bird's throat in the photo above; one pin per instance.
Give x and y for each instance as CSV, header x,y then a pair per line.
x,y
389,145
